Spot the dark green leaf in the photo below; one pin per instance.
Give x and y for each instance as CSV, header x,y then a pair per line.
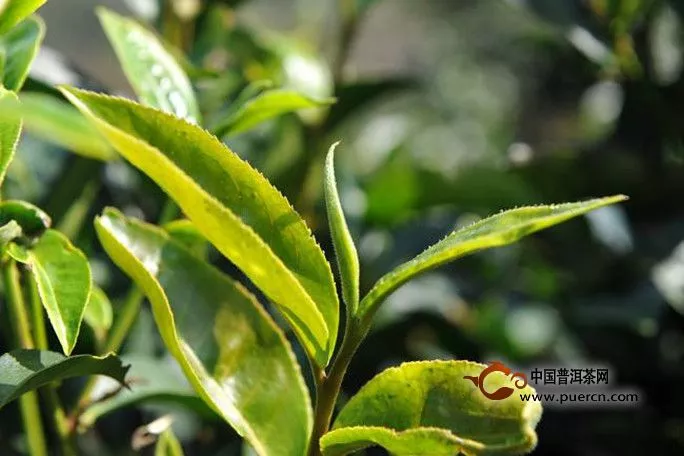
x,y
158,80
32,220
21,46
429,407
233,206
229,348
13,12
345,251
501,229
25,370
62,274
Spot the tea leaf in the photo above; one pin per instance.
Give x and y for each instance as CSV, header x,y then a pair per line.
x,y
345,251
168,445
10,130
98,312
501,229
428,407
32,220
265,106
21,46
13,12
62,274
25,370
157,78
233,206
184,232
229,348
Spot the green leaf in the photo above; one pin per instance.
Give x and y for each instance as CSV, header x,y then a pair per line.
x,y
501,229
10,130
21,46
59,123
8,232
186,233
428,407
345,251
168,445
13,12
233,206
265,106
150,381
229,348
156,77
98,312
62,274
26,370
32,220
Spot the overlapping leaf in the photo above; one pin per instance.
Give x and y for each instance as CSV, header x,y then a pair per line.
x,y
20,46
501,229
233,206
63,277
429,408
13,12
227,345
98,313
158,80
25,370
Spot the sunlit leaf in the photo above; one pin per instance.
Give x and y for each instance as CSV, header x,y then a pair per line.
x,y
233,206
25,370
231,351
21,46
98,312
8,232
62,274
158,80
13,12
10,130
501,229
345,251
429,407
265,106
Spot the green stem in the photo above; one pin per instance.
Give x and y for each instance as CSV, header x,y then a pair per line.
x,y
28,402
59,419
328,386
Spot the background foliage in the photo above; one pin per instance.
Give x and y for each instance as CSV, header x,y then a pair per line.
x,y
448,110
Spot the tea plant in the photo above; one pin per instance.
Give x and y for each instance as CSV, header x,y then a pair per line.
x,y
231,350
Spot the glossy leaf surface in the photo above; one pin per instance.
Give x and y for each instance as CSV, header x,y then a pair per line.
x,y
21,46
10,130
345,251
25,370
265,106
13,12
62,274
229,348
158,80
32,220
233,206
429,408
501,229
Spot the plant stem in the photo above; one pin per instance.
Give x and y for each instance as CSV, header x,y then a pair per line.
x,y
59,419
328,386
28,402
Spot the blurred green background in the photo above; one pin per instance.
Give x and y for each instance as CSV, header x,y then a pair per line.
x,y
448,110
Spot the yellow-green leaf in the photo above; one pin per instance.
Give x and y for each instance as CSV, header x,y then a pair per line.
x,y
345,251
25,370
428,407
501,229
158,80
233,206
10,130
265,106
168,445
98,312
229,348
13,12
63,277
21,46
